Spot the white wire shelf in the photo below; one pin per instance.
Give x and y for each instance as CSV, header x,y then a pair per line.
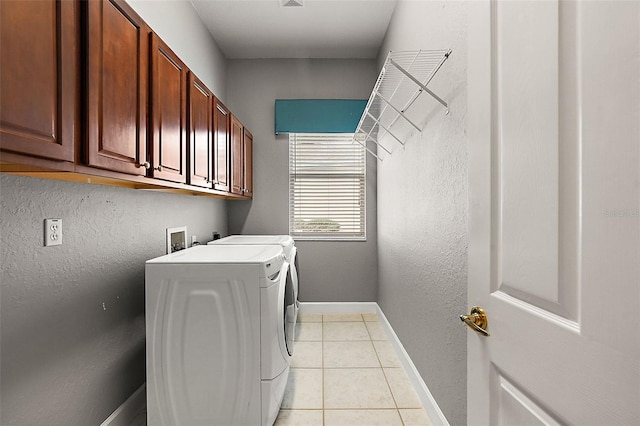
x,y
405,75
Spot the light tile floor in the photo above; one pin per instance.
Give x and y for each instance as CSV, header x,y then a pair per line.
x,y
344,371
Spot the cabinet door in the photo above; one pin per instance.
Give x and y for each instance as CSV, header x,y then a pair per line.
x,y
117,87
168,113
248,163
39,79
222,134
200,133
237,176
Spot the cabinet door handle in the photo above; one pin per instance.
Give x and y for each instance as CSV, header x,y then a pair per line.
x,y
159,168
146,165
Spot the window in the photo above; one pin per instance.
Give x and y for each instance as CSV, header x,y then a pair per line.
x,y
327,184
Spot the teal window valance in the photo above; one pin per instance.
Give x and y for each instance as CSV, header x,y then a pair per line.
x,y
318,115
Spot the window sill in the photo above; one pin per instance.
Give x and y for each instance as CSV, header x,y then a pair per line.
x,y
330,239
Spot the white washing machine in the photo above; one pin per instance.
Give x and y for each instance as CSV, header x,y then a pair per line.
x,y
217,335
291,256
287,243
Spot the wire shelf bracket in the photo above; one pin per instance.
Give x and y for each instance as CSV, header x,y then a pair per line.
x,y
405,75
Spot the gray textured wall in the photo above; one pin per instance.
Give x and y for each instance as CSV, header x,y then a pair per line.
x,y
179,25
422,211
330,271
72,316
72,330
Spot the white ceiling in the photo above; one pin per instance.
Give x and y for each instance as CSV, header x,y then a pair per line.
x,y
318,29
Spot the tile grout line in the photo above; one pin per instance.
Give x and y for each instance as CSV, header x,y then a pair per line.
x,y
392,396
352,409
385,377
380,365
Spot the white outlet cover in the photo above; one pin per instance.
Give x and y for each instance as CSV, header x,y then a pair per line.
x,y
52,232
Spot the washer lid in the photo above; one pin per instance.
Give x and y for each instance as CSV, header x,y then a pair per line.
x,y
224,254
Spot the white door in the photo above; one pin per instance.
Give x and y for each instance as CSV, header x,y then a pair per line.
x,y
554,236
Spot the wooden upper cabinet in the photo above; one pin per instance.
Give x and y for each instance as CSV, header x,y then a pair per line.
x,y
222,141
39,80
168,113
117,87
87,87
247,168
241,159
237,176
200,133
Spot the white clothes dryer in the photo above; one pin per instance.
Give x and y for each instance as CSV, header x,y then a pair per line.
x,y
287,243
217,335
291,255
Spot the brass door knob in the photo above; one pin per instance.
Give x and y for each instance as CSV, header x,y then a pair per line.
x,y
476,320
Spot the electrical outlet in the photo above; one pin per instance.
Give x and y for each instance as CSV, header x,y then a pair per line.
x,y
194,240
52,232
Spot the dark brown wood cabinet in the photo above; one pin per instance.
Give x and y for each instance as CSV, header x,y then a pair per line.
x,y
222,147
237,177
39,80
88,93
241,159
117,87
247,167
168,113
200,133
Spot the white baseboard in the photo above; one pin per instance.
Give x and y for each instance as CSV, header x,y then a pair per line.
x,y
338,307
126,412
429,403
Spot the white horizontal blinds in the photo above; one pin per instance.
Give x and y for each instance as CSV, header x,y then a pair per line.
x,y
326,186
